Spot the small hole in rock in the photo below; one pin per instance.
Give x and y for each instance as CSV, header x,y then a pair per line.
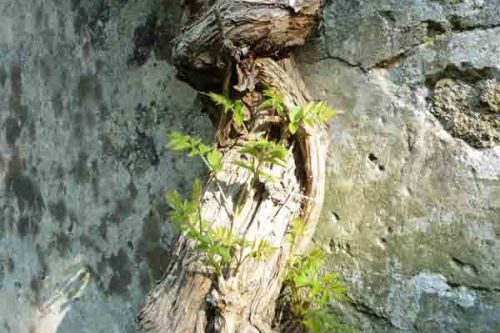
x,y
372,157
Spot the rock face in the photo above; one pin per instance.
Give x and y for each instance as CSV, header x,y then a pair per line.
x,y
86,98
412,215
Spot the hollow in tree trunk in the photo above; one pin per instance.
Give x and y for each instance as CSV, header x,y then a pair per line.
x,y
243,47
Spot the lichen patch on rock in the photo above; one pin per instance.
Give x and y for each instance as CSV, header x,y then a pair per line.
x,y
468,109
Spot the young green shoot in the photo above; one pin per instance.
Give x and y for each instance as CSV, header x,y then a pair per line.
x,y
236,107
262,153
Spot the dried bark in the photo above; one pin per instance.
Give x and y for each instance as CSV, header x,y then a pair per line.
x,y
244,32
215,31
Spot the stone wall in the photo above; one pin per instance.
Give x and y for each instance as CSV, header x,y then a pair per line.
x,y
86,98
412,216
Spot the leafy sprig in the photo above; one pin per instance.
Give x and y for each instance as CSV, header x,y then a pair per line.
x,y
309,114
310,293
227,104
274,100
262,152
195,147
219,247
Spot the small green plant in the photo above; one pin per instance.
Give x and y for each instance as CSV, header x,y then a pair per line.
x,y
262,153
309,114
236,107
308,292
195,147
274,100
221,249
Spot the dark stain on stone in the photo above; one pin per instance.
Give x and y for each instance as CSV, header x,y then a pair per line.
x,y
57,105
86,47
75,4
2,274
95,179
61,242
156,35
16,83
7,218
6,327
61,22
73,220
124,207
132,190
11,266
104,112
150,247
36,284
145,280
122,276
103,227
78,123
97,272
27,226
37,281
91,18
81,20
89,89
45,68
157,259
20,111
58,210
140,153
34,171
25,190
435,28
3,76
32,131
97,24
145,40
12,130
80,169
89,243
60,173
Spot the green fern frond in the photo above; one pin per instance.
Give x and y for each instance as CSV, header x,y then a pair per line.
x,y
274,100
221,100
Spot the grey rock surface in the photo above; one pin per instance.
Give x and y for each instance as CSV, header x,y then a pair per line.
x,y
412,215
86,98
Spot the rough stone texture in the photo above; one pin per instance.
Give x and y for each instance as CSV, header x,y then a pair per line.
x,y
86,98
412,215
468,110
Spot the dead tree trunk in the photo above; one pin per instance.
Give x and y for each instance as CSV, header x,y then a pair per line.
x,y
248,41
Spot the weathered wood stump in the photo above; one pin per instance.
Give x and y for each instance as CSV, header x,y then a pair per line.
x,y
244,44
